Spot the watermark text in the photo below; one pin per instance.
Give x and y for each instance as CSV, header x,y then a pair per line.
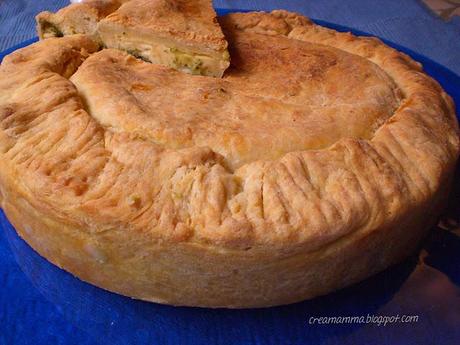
x,y
379,320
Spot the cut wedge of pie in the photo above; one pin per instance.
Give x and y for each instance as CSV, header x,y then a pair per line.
x,y
181,34
78,18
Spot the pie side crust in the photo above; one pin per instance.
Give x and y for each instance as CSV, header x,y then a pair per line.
x,y
179,227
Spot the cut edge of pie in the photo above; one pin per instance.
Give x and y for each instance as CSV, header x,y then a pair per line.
x,y
77,18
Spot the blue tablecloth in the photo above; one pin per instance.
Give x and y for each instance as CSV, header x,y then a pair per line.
x,y
406,22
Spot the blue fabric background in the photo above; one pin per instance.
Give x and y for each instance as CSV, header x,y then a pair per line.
x,y
406,22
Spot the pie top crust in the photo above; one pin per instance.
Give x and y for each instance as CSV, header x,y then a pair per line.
x,y
254,112
379,137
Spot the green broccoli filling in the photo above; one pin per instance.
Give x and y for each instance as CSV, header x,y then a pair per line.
x,y
189,61
177,59
51,30
137,54
226,55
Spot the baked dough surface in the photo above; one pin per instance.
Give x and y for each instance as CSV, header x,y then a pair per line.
x,y
280,95
290,177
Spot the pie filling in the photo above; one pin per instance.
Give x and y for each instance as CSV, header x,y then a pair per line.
x,y
169,55
49,30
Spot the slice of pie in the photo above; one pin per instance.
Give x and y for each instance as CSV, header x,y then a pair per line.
x,y
77,18
181,34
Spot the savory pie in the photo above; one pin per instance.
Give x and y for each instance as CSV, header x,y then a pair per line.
x,y
182,34
319,159
77,18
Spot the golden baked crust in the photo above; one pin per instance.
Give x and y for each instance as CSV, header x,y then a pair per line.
x,y
185,222
77,18
181,34
249,114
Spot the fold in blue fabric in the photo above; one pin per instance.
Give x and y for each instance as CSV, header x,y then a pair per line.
x,y
408,23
